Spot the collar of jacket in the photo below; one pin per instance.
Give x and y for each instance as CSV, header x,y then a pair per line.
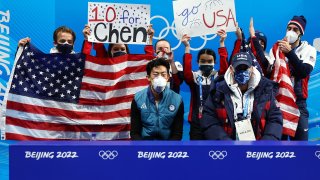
x,y
151,96
213,73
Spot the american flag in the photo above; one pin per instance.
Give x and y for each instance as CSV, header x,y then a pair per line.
x,y
286,96
255,63
55,96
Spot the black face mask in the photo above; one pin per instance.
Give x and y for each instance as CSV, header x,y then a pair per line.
x,y
206,69
65,48
119,53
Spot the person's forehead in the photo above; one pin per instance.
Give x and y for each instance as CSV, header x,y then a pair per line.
x,y
118,46
292,26
65,35
159,69
206,56
163,44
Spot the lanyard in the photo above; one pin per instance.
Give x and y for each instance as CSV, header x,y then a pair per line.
x,y
199,81
245,107
246,104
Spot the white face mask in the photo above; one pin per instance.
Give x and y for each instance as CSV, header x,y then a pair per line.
x,y
159,84
292,37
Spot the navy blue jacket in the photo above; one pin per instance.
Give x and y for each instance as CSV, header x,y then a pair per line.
x,y
266,119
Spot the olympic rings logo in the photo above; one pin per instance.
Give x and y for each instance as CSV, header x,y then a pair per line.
x,y
108,154
317,154
165,31
218,154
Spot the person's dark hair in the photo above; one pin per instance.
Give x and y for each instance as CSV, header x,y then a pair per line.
x,y
63,29
155,45
207,51
112,44
157,62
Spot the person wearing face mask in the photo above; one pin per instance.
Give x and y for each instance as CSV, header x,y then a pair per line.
x,y
300,58
163,50
243,105
63,40
258,45
157,111
242,45
114,49
199,81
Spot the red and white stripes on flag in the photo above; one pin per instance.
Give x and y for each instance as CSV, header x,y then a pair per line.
x,y
286,96
103,111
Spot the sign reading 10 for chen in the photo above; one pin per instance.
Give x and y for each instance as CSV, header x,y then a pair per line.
x,y
118,23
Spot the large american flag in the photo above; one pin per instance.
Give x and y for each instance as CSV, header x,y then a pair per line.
x,y
54,96
286,96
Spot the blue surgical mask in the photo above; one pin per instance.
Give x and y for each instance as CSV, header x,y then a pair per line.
x,y
118,53
206,69
242,77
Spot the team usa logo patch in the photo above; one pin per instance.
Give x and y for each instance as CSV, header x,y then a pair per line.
x,y
172,108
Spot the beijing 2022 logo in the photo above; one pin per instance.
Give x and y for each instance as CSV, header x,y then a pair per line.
x,y
108,154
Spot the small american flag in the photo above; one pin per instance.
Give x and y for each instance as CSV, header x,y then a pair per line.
x,y
55,96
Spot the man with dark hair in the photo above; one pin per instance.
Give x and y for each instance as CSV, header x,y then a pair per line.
x,y
243,106
157,111
63,40
163,49
301,58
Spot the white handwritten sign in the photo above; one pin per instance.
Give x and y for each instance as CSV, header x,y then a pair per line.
x,y
202,17
118,23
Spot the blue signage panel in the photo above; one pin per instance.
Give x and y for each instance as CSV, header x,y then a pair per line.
x,y
164,160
